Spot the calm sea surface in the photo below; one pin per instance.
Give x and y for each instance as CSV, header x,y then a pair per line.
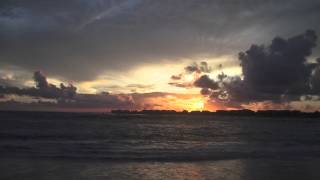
x,y
104,146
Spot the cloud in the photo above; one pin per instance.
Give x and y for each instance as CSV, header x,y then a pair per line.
x,y
45,35
140,86
277,73
60,97
281,67
41,80
203,67
8,82
181,85
176,77
191,76
81,102
111,11
7,78
205,82
102,100
42,89
163,100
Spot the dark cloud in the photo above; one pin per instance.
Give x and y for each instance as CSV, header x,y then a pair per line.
x,y
41,80
79,39
195,70
202,68
206,91
61,97
42,89
81,102
49,90
281,67
205,82
277,73
176,77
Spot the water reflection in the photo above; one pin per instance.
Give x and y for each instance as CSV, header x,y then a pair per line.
x,y
61,169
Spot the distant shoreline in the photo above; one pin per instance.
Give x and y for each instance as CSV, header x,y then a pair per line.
x,y
243,112
240,113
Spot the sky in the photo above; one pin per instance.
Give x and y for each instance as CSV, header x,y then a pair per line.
x,y
99,55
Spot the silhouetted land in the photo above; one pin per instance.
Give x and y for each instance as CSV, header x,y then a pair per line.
x,y
244,112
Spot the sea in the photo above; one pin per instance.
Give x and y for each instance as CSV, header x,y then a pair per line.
x,y
80,146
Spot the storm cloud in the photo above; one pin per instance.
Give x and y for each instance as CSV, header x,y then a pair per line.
x,y
42,89
282,67
79,40
205,82
279,72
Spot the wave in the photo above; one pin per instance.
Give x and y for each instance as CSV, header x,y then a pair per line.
x,y
155,152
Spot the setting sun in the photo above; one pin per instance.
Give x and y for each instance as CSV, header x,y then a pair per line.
x,y
195,104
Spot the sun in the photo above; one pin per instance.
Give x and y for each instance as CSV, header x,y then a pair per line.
x,y
195,104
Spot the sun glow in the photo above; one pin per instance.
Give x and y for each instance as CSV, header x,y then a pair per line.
x,y
90,87
189,78
177,102
196,104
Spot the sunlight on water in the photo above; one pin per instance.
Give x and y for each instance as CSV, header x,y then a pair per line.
x,y
59,169
261,169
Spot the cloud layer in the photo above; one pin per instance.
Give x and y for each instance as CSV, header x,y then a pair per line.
x,y
48,97
79,40
63,97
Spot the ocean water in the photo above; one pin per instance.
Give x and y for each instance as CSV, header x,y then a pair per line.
x,y
105,146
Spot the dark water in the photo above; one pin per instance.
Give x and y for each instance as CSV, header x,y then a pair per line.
x,y
84,146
